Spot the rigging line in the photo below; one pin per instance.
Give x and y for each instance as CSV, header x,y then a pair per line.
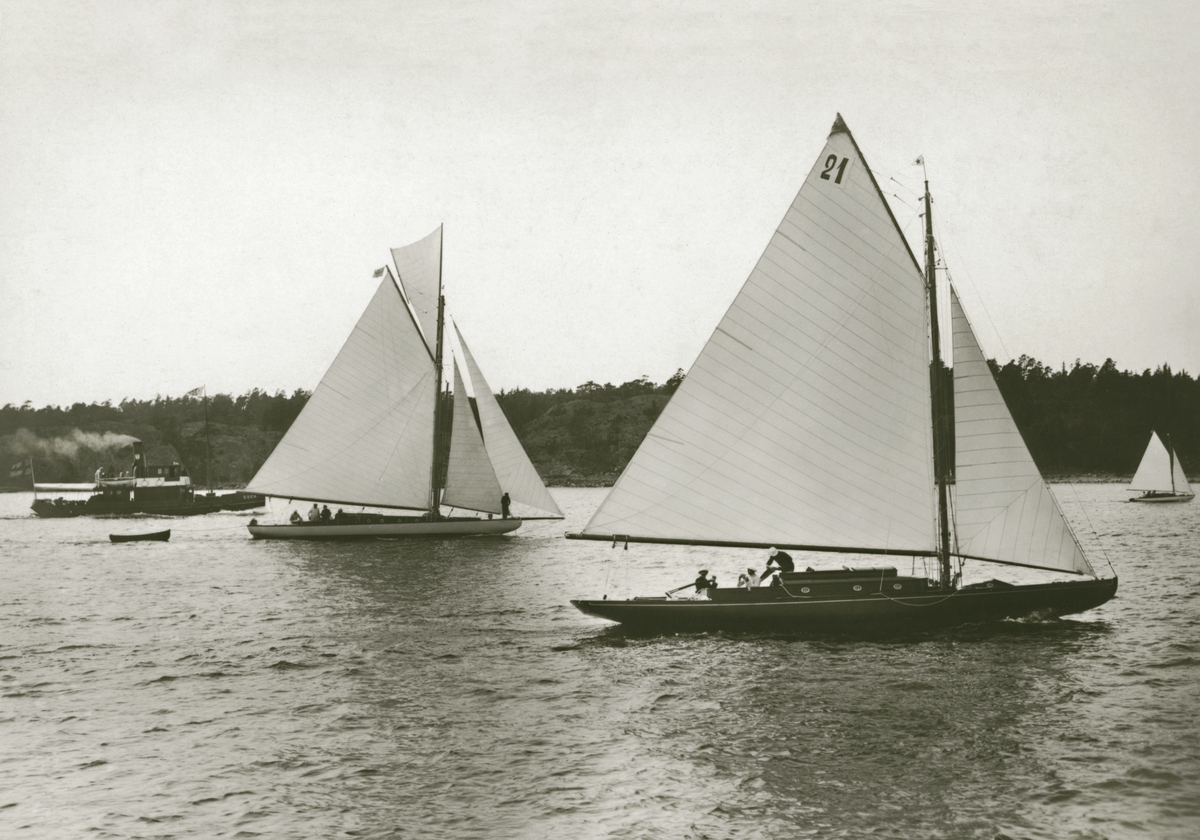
x,y
1095,533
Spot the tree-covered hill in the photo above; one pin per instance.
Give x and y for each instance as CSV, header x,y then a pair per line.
x,y
1087,419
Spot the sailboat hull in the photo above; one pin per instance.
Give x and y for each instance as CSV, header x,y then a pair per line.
x,y
769,610
466,527
1165,498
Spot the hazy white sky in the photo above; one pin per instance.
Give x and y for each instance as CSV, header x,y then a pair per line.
x,y
198,193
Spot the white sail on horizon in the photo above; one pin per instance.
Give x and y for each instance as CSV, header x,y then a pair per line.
x,y
1157,468
1004,510
806,418
470,480
365,436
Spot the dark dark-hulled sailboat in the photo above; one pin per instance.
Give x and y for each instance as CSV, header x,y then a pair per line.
x,y
817,419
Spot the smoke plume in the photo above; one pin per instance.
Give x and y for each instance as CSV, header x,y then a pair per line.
x,y
24,443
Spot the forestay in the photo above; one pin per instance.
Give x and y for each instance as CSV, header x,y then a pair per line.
x,y
365,436
419,267
1003,509
513,469
805,419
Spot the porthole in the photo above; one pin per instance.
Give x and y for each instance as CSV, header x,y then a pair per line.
x,y
990,585
897,586
857,588
804,589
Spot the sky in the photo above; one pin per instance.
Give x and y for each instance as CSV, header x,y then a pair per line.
x,y
198,194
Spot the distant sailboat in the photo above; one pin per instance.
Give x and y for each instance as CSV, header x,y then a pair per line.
x,y
810,421
372,433
1160,475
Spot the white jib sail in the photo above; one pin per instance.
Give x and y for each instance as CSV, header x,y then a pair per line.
x,y
805,419
366,434
1003,509
515,471
470,481
1154,472
419,267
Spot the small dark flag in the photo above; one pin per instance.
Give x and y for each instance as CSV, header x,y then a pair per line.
x,y
920,161
195,392
379,271
22,473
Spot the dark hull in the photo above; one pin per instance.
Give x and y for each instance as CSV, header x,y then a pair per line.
x,y
771,611
234,501
98,505
157,536
1165,498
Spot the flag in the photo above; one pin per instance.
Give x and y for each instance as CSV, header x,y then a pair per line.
x,y
195,392
20,474
379,271
920,161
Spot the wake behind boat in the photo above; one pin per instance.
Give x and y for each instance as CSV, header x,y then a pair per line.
x,y
1160,475
379,432
817,419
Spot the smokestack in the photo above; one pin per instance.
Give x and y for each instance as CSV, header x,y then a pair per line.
x,y
139,460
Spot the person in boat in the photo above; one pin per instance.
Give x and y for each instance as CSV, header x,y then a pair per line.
x,y
749,579
325,514
703,581
781,560
504,503
314,513
295,518
339,516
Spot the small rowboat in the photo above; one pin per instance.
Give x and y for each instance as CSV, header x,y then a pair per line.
x,y
158,536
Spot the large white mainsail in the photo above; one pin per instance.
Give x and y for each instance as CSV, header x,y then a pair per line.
x,y
806,418
1003,509
419,267
365,436
513,469
1155,472
470,480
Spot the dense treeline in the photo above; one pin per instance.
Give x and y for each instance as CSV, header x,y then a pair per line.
x,y
69,443
1087,419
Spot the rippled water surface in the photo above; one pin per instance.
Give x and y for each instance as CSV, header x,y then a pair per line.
x,y
217,687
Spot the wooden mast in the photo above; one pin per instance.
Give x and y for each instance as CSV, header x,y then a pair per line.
x,y
435,481
940,450
1171,463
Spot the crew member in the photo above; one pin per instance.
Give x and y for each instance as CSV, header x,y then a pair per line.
x,y
504,503
781,560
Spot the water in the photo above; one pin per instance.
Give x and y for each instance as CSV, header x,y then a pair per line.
x,y
218,687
